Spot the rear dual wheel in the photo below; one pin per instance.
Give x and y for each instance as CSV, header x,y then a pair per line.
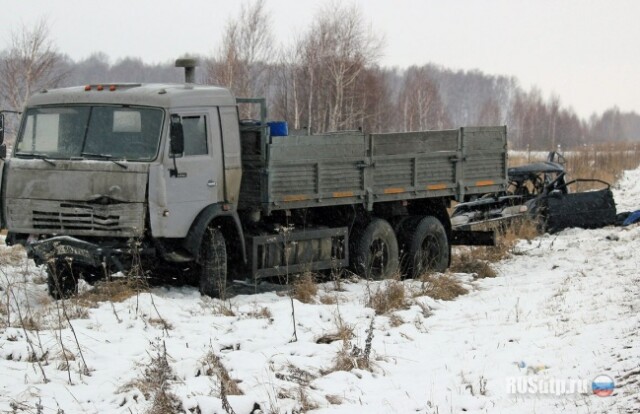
x,y
375,254
426,246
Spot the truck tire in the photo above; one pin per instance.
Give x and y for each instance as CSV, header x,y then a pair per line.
x,y
213,264
376,251
62,281
426,246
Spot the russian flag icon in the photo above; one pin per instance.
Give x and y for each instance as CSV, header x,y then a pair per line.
x,y
602,386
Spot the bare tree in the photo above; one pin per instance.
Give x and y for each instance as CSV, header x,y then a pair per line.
x,y
329,70
340,48
288,78
241,62
94,69
420,102
31,63
490,113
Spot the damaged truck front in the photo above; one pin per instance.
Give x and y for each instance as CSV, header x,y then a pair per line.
x,y
78,182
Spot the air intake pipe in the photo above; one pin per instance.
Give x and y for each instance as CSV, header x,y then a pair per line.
x,y
189,65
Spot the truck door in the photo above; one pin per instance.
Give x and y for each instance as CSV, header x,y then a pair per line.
x,y
199,180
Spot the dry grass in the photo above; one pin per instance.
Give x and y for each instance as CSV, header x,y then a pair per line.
x,y
292,373
305,288
306,404
343,332
353,357
65,356
395,320
333,399
115,290
507,239
261,313
388,297
221,308
12,255
477,259
30,323
328,299
212,365
604,161
165,402
154,383
76,309
440,287
467,263
160,323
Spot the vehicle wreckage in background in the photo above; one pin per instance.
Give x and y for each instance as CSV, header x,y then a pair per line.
x,y
540,192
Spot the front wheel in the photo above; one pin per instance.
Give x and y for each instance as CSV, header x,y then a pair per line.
x,y
62,279
213,264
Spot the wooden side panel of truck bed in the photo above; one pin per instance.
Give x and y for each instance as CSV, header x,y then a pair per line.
x,y
354,168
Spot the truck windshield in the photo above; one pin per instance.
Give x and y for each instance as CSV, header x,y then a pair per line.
x,y
107,132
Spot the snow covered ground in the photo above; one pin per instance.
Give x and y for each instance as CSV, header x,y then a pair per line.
x,y
563,307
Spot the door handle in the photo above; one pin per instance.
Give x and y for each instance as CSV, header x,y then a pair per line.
x,y
211,183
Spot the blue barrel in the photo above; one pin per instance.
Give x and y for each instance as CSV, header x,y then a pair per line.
x,y
278,128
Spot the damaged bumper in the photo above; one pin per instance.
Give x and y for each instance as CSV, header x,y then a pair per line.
x,y
68,247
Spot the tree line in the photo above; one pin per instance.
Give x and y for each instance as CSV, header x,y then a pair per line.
x,y
328,78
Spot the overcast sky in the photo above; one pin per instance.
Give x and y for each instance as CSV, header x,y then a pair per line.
x,y
587,52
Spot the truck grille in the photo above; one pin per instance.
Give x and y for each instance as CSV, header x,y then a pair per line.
x,y
76,217
80,218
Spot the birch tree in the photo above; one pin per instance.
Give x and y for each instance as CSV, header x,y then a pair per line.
x,y
420,103
247,46
30,64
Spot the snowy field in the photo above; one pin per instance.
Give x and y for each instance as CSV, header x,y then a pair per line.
x,y
563,307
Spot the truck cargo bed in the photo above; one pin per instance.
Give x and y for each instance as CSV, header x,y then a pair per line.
x,y
299,171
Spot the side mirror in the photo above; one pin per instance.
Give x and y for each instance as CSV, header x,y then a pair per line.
x,y
2,129
176,135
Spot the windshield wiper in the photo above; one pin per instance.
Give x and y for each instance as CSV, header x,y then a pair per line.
x,y
108,157
38,156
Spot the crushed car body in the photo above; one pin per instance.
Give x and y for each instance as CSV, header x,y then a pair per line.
x,y
539,192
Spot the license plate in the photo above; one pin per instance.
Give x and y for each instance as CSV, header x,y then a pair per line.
x,y
77,252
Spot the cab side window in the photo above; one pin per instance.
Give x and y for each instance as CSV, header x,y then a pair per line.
x,y
195,135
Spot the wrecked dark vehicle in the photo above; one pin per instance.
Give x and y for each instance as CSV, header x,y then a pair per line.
x,y
540,192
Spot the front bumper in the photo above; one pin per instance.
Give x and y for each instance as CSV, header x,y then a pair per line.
x,y
80,251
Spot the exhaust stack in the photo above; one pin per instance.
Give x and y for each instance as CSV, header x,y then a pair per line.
x,y
189,65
